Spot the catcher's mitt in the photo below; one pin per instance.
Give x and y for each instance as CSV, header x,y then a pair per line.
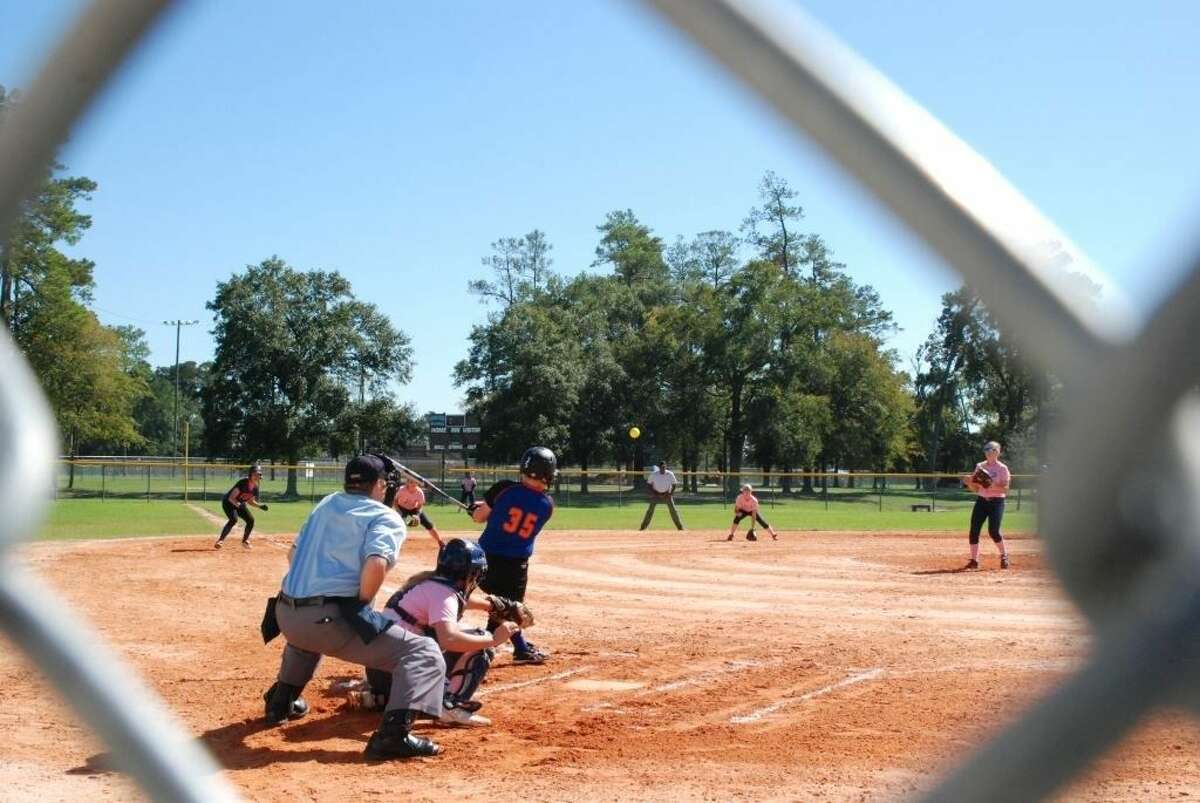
x,y
981,477
510,610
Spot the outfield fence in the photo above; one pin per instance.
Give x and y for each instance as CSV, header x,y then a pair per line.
x,y
1125,549
885,491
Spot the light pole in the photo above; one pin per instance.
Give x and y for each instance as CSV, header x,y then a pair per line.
x,y
175,419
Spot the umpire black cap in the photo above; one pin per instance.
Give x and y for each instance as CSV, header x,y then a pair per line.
x,y
363,469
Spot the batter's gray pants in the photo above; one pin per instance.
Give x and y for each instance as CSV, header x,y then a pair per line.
x,y
670,503
416,663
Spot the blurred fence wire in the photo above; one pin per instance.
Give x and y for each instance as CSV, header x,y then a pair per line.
x,y
1130,560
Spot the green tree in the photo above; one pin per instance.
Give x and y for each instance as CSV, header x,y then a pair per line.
x,y
377,424
521,269
88,371
79,364
870,408
29,254
523,378
631,248
287,341
773,227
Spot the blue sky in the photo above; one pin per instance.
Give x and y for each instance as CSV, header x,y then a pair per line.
x,y
395,141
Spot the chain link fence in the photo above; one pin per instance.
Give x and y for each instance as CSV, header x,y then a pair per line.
x,y
1125,548
605,487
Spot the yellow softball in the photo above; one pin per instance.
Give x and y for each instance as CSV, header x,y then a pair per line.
x,y
634,433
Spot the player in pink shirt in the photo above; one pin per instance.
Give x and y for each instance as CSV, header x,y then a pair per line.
x,y
989,502
745,505
409,502
432,604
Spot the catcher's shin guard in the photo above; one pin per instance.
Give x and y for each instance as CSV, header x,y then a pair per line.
x,y
465,671
284,703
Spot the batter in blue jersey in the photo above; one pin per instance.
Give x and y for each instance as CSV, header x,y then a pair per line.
x,y
515,513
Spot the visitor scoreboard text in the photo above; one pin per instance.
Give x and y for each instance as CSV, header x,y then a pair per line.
x,y
453,432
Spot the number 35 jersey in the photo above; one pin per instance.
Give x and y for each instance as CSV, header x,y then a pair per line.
x,y
518,515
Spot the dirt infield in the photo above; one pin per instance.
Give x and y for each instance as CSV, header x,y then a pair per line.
x,y
825,666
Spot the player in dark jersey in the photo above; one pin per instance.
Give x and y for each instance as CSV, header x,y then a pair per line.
x,y
237,502
515,513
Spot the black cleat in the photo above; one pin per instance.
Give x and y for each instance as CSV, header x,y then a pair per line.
x,y
971,565
1004,561
382,747
394,739
284,703
532,655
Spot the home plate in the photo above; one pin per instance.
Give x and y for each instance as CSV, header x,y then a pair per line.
x,y
602,685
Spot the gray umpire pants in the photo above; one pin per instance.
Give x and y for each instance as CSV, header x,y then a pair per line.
x,y
416,663
669,500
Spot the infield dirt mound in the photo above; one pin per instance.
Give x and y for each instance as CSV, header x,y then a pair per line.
x,y
830,666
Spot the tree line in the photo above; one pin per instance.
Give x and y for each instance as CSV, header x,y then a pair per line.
x,y
751,345
747,344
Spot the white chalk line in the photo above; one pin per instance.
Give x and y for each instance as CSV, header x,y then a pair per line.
x,y
703,677
216,520
754,716
535,681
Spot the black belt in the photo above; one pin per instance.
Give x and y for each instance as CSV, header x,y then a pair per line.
x,y
305,602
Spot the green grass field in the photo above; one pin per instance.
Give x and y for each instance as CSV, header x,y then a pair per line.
x,y
117,518
113,518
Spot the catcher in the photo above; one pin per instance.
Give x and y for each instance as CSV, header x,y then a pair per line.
x,y
990,482
432,604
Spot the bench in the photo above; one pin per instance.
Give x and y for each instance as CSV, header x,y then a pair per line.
x,y
926,508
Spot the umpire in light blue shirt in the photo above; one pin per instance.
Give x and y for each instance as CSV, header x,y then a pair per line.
x,y
345,548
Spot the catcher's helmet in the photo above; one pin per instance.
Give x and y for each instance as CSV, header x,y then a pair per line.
x,y
540,463
462,559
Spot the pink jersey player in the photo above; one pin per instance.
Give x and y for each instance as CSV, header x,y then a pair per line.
x,y
410,502
989,504
746,504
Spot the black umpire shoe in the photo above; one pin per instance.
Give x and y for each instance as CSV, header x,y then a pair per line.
x,y
394,739
283,703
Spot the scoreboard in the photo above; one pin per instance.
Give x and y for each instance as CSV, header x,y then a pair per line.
x,y
453,432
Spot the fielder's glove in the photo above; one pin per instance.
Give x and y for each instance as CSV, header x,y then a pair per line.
x,y
510,610
265,507
981,477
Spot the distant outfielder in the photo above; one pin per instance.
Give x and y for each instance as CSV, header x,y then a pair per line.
x,y
468,485
515,513
745,505
990,482
237,502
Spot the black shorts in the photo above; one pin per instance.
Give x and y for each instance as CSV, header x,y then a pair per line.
x,y
232,511
506,577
